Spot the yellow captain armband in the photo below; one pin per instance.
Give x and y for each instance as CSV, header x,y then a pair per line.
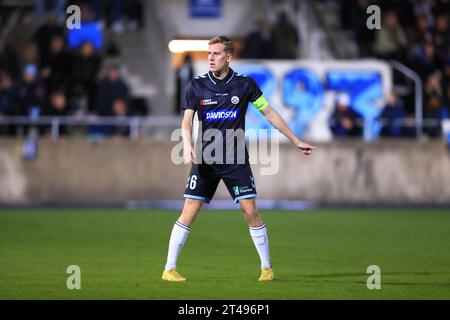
x,y
261,103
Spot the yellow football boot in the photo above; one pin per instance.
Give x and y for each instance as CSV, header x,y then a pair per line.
x,y
266,274
172,275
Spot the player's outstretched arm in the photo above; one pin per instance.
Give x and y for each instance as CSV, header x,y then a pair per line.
x,y
186,132
277,122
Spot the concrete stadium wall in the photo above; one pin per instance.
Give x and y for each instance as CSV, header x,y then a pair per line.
x,y
76,171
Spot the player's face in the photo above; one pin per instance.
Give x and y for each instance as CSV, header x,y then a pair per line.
x,y
218,59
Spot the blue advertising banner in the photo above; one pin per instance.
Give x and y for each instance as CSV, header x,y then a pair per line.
x,y
305,93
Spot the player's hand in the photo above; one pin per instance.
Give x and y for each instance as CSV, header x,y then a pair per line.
x,y
189,155
305,147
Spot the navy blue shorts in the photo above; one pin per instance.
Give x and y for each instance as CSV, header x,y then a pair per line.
x,y
204,179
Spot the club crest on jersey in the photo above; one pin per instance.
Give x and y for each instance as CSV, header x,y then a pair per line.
x,y
206,102
221,115
234,100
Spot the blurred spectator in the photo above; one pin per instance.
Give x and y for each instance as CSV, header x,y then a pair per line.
x,y
442,37
184,74
57,106
31,94
8,96
253,42
123,14
258,44
285,37
31,97
446,84
120,110
8,59
55,65
423,8
85,68
47,32
110,88
392,114
425,61
424,32
434,108
29,54
390,40
90,31
344,119
56,8
115,7
21,33
403,9
120,107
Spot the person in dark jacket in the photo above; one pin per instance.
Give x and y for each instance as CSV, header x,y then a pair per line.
x,y
55,63
345,119
110,88
392,114
85,68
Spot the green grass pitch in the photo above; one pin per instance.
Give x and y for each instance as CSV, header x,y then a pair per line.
x,y
316,254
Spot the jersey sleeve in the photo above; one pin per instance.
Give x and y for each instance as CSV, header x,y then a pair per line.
x,y
189,99
257,97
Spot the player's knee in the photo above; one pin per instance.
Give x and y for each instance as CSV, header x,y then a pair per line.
x,y
193,203
191,207
190,211
251,212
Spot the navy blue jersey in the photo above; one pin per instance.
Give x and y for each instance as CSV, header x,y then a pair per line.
x,y
221,106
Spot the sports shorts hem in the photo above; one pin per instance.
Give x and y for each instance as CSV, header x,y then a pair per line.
x,y
247,196
206,200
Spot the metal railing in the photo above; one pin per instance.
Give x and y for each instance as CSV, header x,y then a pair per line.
x,y
407,72
139,125
135,124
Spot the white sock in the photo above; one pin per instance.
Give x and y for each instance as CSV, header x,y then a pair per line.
x,y
261,241
177,240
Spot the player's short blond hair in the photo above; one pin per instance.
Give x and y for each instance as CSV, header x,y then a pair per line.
x,y
227,42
